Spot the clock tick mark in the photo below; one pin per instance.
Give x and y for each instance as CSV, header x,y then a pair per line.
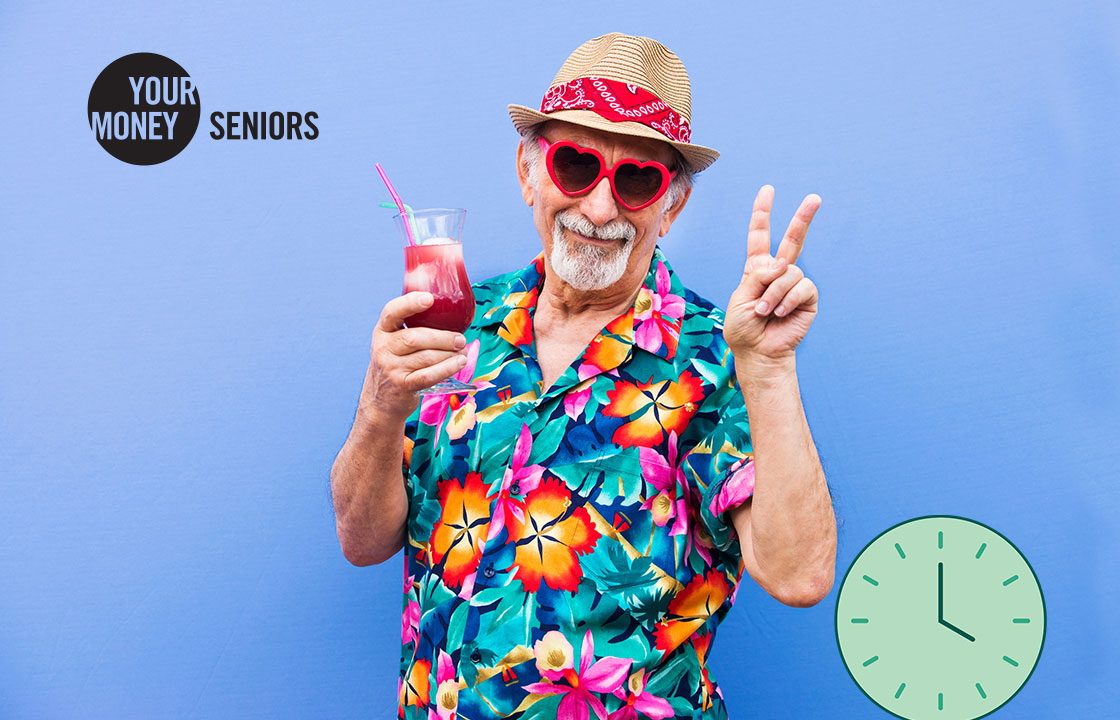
x,y
940,540
873,658
1017,621
940,701
899,549
898,694
981,691
1010,580
980,552
875,582
1010,661
863,621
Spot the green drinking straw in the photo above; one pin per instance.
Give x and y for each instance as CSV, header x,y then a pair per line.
x,y
407,217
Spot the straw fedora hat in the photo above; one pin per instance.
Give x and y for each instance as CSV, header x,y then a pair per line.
x,y
627,85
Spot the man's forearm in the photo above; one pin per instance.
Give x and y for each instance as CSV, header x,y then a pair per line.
x,y
792,524
370,503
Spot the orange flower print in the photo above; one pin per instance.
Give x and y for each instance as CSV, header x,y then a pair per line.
x,y
517,327
691,608
415,690
550,538
606,352
702,644
655,408
458,536
623,325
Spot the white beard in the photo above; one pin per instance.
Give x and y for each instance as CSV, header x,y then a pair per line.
x,y
585,266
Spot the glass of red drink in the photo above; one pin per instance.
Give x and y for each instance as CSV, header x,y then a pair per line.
x,y
433,262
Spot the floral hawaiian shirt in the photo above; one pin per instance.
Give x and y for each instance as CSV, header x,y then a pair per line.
x,y
568,552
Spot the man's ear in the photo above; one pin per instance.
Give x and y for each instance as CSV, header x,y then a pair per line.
x,y
672,213
527,189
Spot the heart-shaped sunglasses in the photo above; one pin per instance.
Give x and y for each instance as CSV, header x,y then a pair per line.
x,y
575,170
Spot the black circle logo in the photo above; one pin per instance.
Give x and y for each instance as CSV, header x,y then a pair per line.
x,y
143,108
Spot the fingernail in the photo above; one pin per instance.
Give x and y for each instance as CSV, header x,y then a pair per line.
x,y
462,361
780,310
775,263
428,299
460,342
762,308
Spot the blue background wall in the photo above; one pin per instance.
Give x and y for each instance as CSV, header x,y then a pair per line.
x,y
182,345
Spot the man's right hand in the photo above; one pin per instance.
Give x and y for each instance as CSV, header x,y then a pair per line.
x,y
404,360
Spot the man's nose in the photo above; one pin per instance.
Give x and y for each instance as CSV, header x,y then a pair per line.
x,y
598,205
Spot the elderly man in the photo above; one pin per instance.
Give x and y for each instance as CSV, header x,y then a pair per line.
x,y
575,529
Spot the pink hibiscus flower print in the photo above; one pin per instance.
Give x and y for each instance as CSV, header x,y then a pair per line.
x,y
658,316
518,479
603,676
434,409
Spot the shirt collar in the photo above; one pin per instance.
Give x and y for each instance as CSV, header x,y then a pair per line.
x,y
653,323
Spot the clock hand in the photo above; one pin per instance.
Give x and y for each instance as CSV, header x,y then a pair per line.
x,y
940,591
958,631
941,605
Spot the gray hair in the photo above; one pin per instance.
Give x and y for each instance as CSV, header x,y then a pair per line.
x,y
532,156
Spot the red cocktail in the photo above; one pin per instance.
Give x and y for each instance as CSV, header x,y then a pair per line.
x,y
433,262
439,269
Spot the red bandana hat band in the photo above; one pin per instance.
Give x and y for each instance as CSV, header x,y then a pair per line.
x,y
617,102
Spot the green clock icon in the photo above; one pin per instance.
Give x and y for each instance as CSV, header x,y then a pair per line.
x,y
940,617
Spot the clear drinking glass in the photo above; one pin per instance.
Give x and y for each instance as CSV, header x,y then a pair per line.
x,y
435,264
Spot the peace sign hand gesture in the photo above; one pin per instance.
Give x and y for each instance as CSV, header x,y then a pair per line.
x,y
774,305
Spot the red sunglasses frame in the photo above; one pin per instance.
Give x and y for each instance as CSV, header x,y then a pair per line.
x,y
550,151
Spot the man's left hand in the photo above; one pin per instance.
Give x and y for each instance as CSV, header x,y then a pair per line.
x,y
774,305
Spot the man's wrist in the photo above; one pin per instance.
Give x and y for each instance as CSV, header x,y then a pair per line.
x,y
372,421
759,369
765,381
376,414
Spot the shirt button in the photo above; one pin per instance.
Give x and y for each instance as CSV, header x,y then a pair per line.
x,y
488,572
515,488
476,656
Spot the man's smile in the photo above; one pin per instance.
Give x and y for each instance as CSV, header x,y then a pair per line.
x,y
592,240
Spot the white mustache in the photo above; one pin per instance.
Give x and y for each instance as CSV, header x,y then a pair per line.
x,y
614,230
